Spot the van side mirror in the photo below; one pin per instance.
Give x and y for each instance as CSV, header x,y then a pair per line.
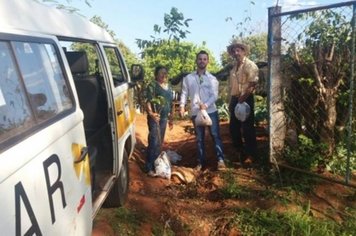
x,y
137,72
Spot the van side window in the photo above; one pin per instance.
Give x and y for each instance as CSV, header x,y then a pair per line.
x,y
33,88
15,111
119,74
43,79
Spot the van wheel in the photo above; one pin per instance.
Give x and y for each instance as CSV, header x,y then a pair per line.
x,y
118,193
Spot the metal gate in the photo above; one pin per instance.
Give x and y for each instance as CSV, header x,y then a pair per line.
x,y
311,96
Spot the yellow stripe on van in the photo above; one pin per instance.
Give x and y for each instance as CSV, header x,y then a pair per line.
x,y
125,112
82,167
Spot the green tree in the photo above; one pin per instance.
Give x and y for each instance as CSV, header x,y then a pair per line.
x,y
171,51
99,22
129,56
174,26
243,28
178,57
258,48
320,67
248,34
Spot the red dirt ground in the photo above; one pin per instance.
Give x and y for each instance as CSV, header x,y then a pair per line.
x,y
162,201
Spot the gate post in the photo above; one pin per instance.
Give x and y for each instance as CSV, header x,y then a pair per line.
x,y
277,121
351,104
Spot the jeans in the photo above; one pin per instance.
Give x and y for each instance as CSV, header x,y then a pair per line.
x,y
155,140
214,133
247,127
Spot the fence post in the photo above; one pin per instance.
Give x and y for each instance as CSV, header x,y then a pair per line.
x,y
277,123
352,78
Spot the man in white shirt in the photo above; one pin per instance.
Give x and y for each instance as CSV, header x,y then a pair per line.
x,y
202,88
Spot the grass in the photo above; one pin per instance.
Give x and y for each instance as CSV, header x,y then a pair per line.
x,y
231,189
157,229
235,191
261,222
271,222
126,222
294,218
247,221
122,220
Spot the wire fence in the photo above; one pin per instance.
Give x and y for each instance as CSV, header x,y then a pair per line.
x,y
311,93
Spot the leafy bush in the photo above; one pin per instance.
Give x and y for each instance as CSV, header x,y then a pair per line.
x,y
261,111
223,109
306,155
338,163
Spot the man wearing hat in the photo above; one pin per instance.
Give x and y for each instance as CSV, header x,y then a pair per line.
x,y
242,81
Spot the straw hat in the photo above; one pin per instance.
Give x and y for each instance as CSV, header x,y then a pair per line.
x,y
235,43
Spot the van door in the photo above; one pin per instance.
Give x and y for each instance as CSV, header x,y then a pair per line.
x,y
44,168
123,95
123,117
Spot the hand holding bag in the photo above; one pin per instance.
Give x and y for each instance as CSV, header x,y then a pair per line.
x,y
203,119
242,111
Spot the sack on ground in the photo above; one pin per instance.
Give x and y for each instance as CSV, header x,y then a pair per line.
x,y
163,166
183,175
173,157
203,119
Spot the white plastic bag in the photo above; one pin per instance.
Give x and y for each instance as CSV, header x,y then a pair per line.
x,y
203,119
163,166
242,111
173,156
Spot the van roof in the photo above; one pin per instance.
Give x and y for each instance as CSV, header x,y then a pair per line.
x,y
36,17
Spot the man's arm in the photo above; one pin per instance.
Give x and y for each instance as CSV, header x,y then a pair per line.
x,y
252,75
250,89
155,116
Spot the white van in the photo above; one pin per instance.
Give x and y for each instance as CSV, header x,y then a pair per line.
x,y
66,121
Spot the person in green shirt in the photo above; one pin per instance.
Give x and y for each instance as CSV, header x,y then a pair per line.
x,y
159,101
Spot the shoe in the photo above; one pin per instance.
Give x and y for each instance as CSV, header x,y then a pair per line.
x,y
198,167
221,165
248,162
151,173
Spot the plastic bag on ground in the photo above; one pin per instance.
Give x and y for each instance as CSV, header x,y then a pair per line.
x,y
163,166
173,156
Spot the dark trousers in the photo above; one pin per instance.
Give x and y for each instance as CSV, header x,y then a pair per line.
x,y
245,130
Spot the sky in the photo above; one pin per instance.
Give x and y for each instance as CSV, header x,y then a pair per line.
x,y
134,19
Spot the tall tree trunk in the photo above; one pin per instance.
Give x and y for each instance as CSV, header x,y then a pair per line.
x,y
327,132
